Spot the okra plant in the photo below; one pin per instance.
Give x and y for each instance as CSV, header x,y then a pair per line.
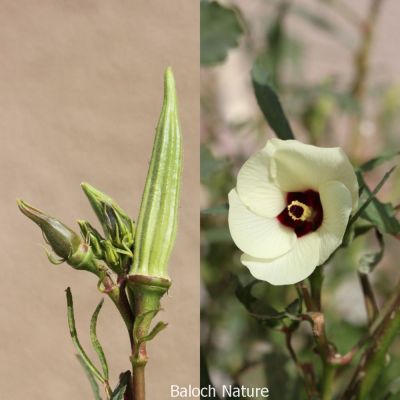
x,y
129,259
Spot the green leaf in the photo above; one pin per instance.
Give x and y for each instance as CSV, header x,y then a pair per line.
x,y
371,195
221,209
92,379
381,215
220,31
376,162
257,309
74,336
209,165
269,102
95,341
119,391
160,326
370,260
139,321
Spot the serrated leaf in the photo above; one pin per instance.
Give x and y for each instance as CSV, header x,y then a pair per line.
x,y
75,340
95,341
209,165
119,391
92,379
220,31
376,162
268,101
370,260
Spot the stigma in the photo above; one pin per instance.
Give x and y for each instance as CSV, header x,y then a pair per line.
x,y
299,211
303,212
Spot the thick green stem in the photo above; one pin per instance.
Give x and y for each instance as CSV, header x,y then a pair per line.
x,y
118,296
328,381
146,292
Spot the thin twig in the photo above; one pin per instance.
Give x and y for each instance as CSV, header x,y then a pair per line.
x,y
371,305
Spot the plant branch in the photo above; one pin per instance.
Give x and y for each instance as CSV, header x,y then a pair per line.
x,y
372,363
371,305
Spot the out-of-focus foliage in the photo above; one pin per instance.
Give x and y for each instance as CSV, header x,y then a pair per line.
x,y
220,31
245,98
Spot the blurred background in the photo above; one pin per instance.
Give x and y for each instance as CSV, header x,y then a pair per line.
x,y
336,68
81,86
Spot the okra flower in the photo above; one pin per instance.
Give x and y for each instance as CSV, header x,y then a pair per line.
x,y
290,209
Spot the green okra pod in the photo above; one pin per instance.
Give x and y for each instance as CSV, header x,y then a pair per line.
x,y
157,221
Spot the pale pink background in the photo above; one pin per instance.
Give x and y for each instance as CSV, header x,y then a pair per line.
x,y
80,94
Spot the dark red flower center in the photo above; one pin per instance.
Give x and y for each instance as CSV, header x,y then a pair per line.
x,y
303,212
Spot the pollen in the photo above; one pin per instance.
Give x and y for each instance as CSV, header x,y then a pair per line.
x,y
299,211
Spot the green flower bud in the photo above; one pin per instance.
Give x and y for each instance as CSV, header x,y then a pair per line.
x,y
157,222
64,241
111,256
117,225
92,237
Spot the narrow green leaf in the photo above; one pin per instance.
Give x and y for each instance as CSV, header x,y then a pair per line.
x,y
370,260
138,323
75,340
160,326
119,391
376,162
220,31
381,215
371,196
92,379
269,102
95,341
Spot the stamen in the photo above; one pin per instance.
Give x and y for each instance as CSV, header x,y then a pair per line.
x,y
299,211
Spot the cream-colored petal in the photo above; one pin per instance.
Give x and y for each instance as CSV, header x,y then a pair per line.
x,y
257,190
297,166
336,204
256,235
292,267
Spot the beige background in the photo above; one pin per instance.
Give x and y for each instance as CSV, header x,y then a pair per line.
x,y
80,93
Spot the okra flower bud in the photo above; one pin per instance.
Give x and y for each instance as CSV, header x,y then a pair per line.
x,y
157,221
117,225
92,237
111,257
65,242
